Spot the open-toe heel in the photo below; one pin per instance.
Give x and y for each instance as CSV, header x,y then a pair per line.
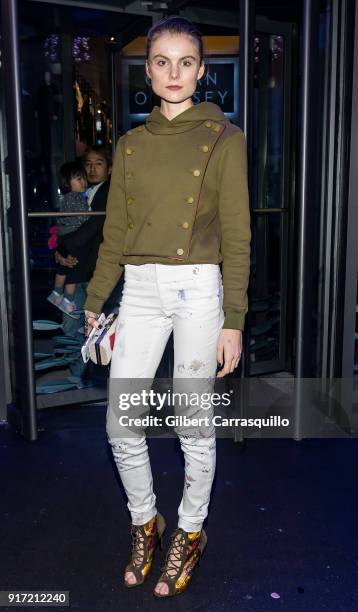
x,y
184,554
145,539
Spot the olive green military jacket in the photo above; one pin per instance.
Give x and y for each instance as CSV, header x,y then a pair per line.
x,y
179,195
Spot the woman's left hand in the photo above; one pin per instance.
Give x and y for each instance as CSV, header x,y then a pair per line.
x,y
229,350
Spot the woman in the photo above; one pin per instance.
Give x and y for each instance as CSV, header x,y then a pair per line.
x,y
177,208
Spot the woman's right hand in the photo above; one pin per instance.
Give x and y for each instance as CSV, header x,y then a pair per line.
x,y
91,321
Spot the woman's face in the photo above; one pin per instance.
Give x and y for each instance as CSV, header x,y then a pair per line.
x,y
174,66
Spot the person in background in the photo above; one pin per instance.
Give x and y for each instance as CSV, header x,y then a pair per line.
x,y
88,237
80,248
73,185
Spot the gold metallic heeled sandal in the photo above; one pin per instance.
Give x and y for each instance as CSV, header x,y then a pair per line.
x,y
145,539
183,555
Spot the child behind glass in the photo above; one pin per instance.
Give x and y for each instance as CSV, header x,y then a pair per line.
x,y
73,185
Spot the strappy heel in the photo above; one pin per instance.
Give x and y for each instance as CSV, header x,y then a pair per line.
x,y
184,554
145,539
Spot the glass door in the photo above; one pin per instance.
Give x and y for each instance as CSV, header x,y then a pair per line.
x,y
67,106
6,354
83,84
270,316
269,319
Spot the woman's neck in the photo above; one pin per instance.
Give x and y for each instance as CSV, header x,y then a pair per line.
x,y
170,111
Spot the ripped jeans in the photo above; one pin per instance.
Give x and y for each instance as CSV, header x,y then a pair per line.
x,y
158,299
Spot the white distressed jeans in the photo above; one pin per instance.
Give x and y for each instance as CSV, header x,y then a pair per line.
x,y
158,299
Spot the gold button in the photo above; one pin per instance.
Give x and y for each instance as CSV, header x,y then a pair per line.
x,y
130,200
185,225
196,172
130,225
216,128
129,151
180,252
129,175
208,124
126,250
190,200
205,148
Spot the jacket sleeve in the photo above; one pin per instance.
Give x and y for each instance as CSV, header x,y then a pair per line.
x,y
108,269
81,236
234,215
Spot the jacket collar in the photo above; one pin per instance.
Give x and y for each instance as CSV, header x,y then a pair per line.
x,y
189,119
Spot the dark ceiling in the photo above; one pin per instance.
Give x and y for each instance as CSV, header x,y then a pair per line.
x,y
213,17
